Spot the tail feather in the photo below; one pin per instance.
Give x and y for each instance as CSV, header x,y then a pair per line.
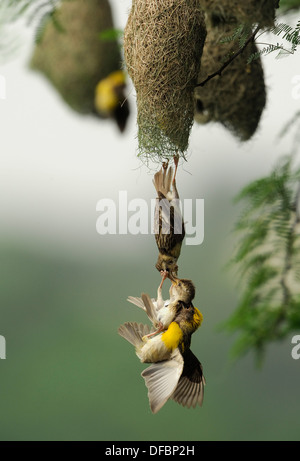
x,y
150,308
136,301
158,181
162,181
168,180
133,332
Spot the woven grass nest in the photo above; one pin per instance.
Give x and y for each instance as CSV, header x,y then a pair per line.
x,y
237,98
76,59
260,12
163,43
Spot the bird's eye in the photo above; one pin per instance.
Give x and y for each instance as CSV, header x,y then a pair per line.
x,y
179,284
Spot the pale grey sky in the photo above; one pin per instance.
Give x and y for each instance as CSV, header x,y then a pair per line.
x,y
55,165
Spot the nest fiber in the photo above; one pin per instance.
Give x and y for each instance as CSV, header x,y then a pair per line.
x,y
235,99
260,12
163,44
75,59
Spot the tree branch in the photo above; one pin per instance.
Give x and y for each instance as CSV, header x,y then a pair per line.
x,y
250,39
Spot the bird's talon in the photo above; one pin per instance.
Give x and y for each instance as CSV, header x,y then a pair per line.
x,y
165,165
164,275
159,329
176,160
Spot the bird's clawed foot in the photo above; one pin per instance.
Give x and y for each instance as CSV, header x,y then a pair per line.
x,y
176,160
164,275
165,165
160,328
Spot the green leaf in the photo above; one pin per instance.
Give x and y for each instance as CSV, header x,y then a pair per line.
x,y
267,259
110,35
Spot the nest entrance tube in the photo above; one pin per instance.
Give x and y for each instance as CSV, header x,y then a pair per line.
x,y
163,43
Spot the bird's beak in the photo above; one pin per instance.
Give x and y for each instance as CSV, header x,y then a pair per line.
x,y
173,279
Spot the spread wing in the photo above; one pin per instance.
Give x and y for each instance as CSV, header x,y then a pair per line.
x,y
161,379
190,389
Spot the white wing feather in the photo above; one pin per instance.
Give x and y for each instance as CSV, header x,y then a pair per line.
x,y
161,379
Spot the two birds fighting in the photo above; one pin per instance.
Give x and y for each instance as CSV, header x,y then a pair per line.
x,y
175,372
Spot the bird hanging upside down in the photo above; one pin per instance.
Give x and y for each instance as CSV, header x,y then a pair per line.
x,y
168,223
175,372
110,99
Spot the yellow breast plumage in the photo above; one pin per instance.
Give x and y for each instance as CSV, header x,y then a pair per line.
x,y
172,336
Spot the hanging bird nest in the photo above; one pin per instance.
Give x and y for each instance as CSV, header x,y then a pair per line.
x,y
260,12
75,59
163,44
235,99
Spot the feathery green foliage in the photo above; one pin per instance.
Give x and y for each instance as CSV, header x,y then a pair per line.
x,y
293,127
289,34
33,13
241,34
30,9
291,37
267,259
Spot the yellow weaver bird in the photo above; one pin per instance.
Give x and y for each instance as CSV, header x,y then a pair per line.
x,y
175,373
110,100
168,223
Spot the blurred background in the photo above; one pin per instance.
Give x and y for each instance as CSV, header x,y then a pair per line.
x,y
67,373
